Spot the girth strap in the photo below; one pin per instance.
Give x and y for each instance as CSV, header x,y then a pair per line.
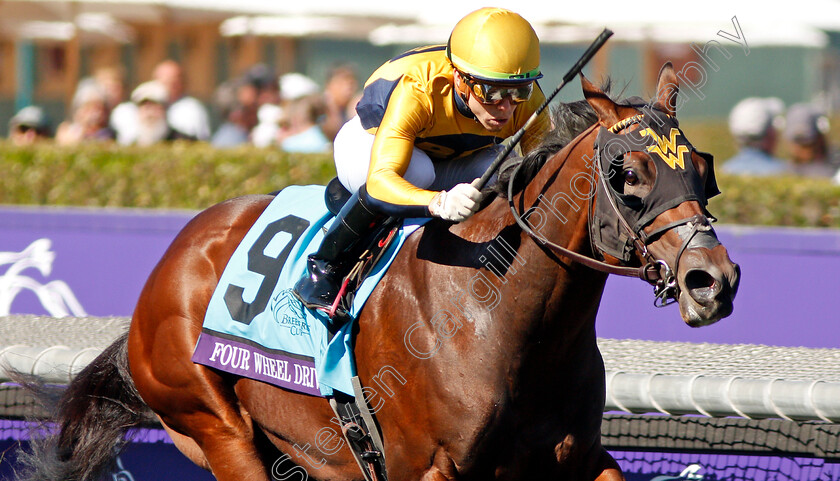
x,y
361,432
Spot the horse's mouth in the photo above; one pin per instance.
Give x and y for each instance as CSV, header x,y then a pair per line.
x,y
707,294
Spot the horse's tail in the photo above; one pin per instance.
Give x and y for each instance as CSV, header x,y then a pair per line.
x,y
91,419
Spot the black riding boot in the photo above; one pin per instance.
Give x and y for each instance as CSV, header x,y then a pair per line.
x,y
336,255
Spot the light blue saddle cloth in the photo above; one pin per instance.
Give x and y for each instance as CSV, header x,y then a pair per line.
x,y
256,328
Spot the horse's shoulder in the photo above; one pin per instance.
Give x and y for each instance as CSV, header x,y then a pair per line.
x,y
237,211
238,206
247,202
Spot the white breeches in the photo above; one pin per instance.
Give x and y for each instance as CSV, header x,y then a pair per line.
x,y
352,148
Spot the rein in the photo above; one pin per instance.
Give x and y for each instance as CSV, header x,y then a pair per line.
x,y
649,272
665,285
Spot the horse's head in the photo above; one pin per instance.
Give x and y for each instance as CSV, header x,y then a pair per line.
x,y
650,205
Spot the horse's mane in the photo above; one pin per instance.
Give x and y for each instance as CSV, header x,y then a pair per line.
x,y
569,120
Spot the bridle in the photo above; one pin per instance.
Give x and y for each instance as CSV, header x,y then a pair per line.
x,y
656,272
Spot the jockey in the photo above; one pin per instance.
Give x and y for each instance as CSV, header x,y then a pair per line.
x,y
428,124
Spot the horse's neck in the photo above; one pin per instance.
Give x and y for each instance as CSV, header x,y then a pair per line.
x,y
556,202
542,297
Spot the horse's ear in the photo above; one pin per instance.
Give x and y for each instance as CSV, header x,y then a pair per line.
x,y
600,102
667,88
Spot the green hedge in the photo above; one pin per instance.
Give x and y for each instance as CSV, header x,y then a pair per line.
x,y
181,175
783,201
191,176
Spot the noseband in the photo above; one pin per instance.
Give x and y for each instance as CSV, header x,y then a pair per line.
x,y
656,272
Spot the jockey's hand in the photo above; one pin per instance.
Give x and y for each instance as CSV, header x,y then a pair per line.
x,y
457,204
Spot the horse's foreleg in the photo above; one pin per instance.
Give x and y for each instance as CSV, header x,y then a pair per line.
x,y
217,436
443,468
196,403
228,447
610,474
608,468
187,446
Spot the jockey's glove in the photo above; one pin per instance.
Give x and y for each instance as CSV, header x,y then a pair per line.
x,y
456,204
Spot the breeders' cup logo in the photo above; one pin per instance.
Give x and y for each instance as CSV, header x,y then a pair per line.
x,y
288,311
55,296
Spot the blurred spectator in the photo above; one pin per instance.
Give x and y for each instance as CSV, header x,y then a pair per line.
x,y
805,130
294,86
302,104
274,119
247,94
152,124
122,112
29,125
263,79
186,114
112,82
754,122
267,109
341,94
303,134
234,129
270,118
233,132
89,116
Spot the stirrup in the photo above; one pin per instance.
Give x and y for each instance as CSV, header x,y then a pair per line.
x,y
361,431
336,309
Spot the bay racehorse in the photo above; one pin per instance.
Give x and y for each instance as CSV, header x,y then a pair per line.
x,y
478,348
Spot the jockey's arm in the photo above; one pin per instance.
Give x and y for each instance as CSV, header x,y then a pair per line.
x,y
407,114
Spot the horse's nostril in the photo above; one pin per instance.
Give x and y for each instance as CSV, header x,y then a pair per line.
x,y
701,285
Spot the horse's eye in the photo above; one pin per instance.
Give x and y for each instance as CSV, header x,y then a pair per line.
x,y
630,177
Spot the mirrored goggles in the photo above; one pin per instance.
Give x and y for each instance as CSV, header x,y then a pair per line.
x,y
494,93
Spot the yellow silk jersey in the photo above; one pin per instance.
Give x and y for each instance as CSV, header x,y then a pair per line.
x,y
411,102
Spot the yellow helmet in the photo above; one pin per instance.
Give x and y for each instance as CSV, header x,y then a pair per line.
x,y
495,45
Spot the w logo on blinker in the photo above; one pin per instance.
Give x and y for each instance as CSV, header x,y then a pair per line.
x,y
667,148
